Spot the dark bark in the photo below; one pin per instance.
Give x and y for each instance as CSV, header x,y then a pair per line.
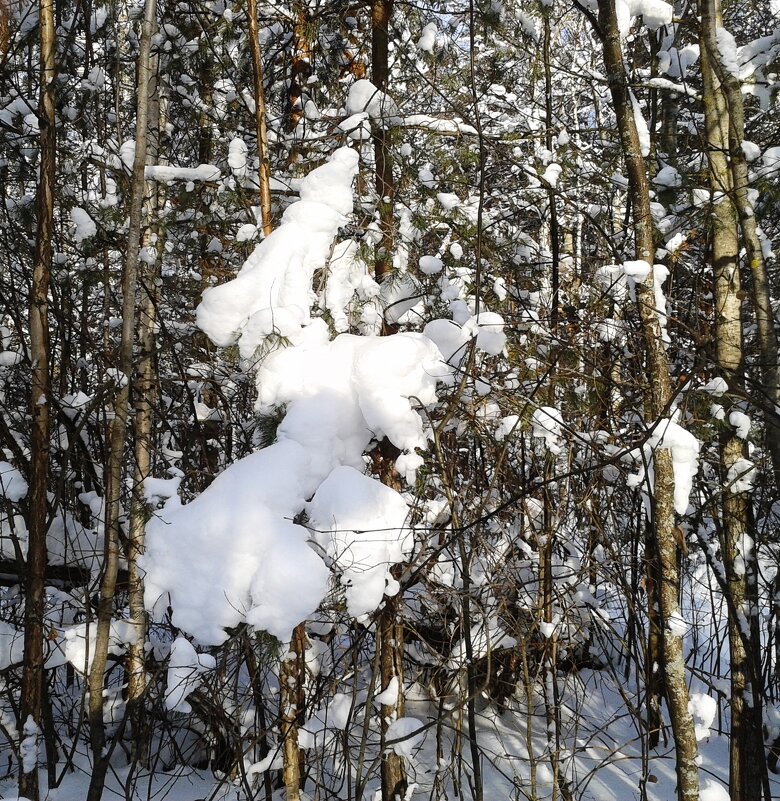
x,y
381,13
31,717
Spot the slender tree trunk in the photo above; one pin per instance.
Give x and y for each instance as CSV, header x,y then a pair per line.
x,y
390,632
659,396
301,68
3,29
145,395
118,427
733,110
381,13
391,667
747,762
35,571
264,166
292,703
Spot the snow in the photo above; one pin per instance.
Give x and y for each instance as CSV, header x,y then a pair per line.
x,y
620,281
713,790
75,644
654,13
427,39
357,126
508,426
751,150
703,709
233,555
450,339
430,265
117,376
551,174
365,97
350,291
448,200
401,298
29,746
438,124
389,695
488,327
212,560
10,358
84,225
741,476
427,178
403,729
641,127
684,449
185,667
727,49
13,487
668,177
547,423
237,157
165,173
637,270
741,422
717,387
272,292
11,645
361,525
246,232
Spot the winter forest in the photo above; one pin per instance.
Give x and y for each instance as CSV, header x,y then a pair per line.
x,y
390,400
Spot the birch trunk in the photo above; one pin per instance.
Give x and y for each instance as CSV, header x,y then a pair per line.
x,y
145,391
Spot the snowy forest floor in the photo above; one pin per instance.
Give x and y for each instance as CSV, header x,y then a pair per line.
x,y
601,757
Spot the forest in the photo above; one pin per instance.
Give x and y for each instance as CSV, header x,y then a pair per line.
x,y
390,400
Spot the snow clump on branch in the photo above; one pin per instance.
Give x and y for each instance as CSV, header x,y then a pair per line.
x,y
234,554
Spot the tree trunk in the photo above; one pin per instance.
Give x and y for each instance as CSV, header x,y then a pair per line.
x,y
391,667
145,395
118,427
291,705
390,632
381,13
659,396
3,29
264,165
35,571
301,68
747,762
733,110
